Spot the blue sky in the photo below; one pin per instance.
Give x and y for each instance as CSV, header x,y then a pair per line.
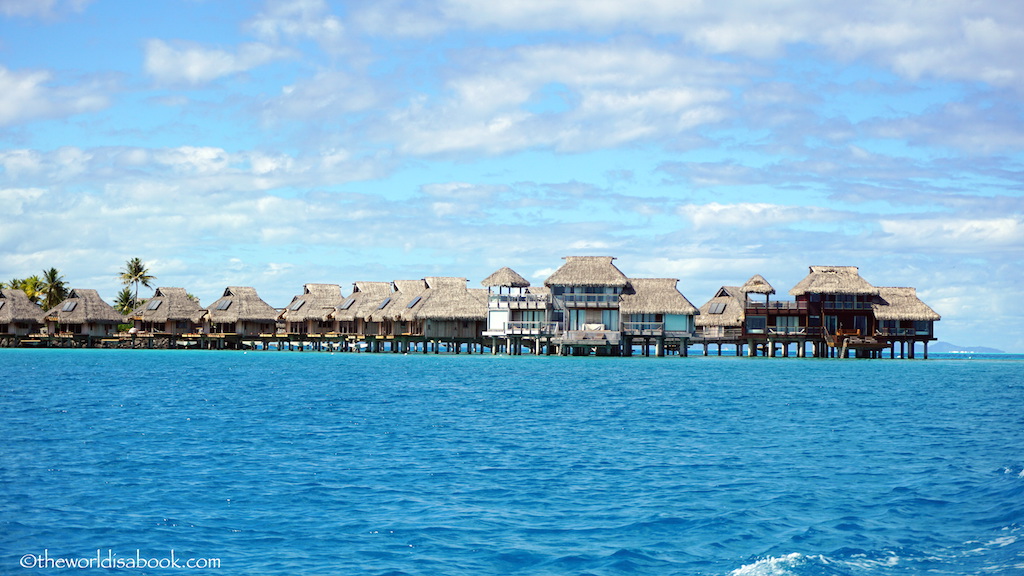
x,y
275,143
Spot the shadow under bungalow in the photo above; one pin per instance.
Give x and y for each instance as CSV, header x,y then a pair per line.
x,y
586,307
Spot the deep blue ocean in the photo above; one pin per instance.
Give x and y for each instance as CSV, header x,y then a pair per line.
x,y
307,463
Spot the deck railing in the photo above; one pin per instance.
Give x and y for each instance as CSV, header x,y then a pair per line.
x,y
599,299
519,300
780,305
532,327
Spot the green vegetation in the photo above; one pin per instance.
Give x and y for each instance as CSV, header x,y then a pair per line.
x,y
135,272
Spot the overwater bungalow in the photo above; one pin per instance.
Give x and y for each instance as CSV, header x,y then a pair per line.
x,y
585,295
312,312
654,310
392,316
721,317
352,313
240,312
171,311
449,310
19,316
902,318
83,314
516,310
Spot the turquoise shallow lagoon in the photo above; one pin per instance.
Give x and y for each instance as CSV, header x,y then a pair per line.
x,y
353,464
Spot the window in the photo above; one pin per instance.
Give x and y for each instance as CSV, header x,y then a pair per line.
x,y
154,304
756,324
414,302
347,303
296,305
716,308
69,306
384,303
224,304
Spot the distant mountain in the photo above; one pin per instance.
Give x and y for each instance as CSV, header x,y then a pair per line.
x,y
947,348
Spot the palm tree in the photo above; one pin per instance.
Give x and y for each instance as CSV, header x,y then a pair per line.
x,y
135,272
54,289
32,287
125,302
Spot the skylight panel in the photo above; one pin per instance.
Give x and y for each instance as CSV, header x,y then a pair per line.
x,y
69,306
414,302
717,308
224,305
384,303
296,305
154,304
347,303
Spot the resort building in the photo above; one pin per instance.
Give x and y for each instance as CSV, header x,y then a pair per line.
x,y
19,316
654,310
240,312
352,313
83,313
517,311
586,306
171,311
312,312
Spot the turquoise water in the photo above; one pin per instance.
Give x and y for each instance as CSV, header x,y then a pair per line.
x,y
353,464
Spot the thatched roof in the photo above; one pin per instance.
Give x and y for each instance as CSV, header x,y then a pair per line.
x,y
833,280
241,303
896,303
505,277
757,285
727,308
449,299
365,298
168,304
16,307
588,271
403,294
654,296
316,302
83,306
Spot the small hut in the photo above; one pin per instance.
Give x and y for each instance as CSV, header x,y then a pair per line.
x,y
83,313
449,309
757,285
351,315
722,317
312,311
19,316
390,316
900,313
169,311
655,306
240,311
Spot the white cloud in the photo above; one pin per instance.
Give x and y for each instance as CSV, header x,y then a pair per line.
x,y
956,234
299,19
30,95
40,8
183,62
748,214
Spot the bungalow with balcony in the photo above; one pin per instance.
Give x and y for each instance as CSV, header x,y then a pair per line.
x,y
835,303
169,311
517,313
239,313
310,313
901,317
83,314
653,309
585,295
19,316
